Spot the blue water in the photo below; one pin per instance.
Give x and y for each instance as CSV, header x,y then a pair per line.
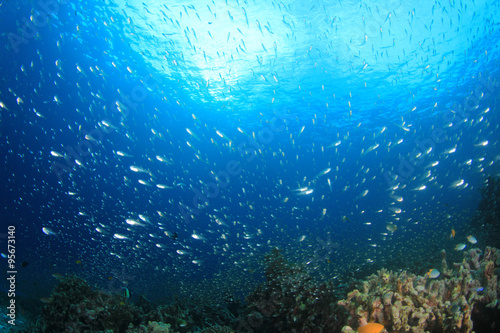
x,y
356,101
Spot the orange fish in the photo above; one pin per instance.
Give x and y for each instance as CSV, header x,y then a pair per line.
x,y
371,328
452,235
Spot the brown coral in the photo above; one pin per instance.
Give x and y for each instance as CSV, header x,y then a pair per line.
x,y
405,302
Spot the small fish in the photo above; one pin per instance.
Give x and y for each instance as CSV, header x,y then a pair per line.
x,y
192,134
139,169
118,236
303,191
172,235
457,183
365,192
181,322
134,223
144,182
372,148
460,247
472,239
48,231
197,236
391,227
125,292
324,172
452,235
433,273
450,151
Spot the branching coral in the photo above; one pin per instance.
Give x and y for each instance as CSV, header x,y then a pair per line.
x,y
405,302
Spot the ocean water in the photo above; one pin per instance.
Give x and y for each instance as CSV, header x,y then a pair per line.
x,y
167,146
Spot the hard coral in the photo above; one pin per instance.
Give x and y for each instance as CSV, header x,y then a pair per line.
x,y
405,302
153,327
77,307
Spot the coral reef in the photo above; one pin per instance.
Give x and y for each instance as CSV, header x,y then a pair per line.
x,y
153,327
184,316
218,329
289,301
74,306
405,302
461,297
